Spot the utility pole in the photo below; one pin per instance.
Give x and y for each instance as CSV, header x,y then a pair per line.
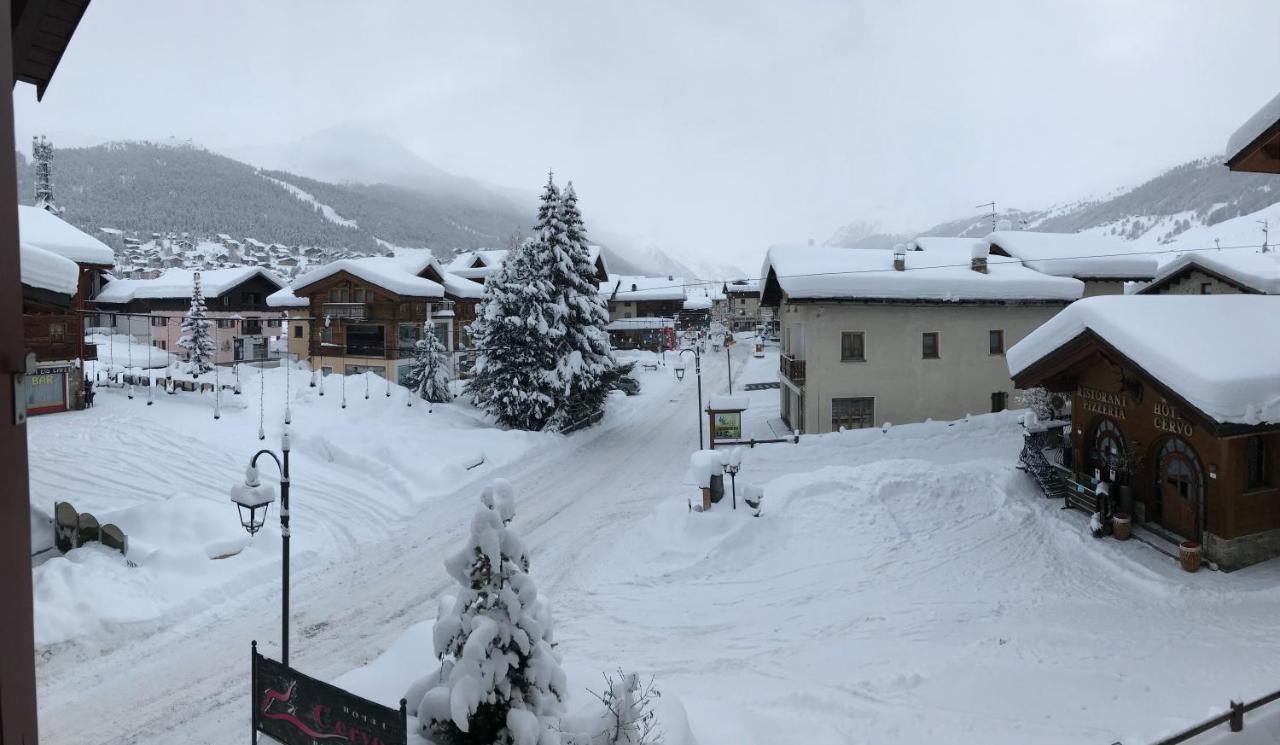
x,y
1266,227
992,205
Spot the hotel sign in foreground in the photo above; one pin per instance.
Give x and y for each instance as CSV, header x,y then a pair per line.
x,y
295,709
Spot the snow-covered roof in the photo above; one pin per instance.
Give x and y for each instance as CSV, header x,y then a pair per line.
x,y
490,260
640,324
742,287
284,298
817,272
1251,130
1257,271
958,250
1218,352
722,402
1074,254
177,284
46,270
47,231
629,288
454,284
697,299
383,271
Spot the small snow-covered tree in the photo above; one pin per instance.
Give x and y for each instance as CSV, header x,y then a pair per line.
x,y
195,339
429,374
1039,401
500,680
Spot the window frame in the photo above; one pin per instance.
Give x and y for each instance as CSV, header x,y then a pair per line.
x,y
924,345
1206,288
861,355
1255,463
1003,398
869,416
995,342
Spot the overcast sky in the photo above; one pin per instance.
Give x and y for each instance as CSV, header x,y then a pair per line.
x,y
710,128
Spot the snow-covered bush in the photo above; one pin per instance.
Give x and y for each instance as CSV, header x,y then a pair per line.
x,y
628,717
1039,401
428,374
500,680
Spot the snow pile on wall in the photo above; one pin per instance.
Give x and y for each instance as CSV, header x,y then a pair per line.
x,y
1219,352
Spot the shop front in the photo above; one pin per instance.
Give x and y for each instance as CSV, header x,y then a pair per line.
x,y
1165,463
51,389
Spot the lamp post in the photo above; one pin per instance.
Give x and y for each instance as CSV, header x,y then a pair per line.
x,y
250,498
728,361
732,470
696,351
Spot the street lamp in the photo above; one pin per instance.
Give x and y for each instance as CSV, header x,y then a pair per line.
x,y
732,469
696,351
252,497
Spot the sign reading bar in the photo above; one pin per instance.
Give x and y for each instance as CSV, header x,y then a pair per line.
x,y
296,709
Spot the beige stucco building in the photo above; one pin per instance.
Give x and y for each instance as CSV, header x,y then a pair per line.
x,y
872,336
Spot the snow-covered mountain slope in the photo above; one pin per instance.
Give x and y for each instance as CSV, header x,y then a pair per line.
x,y
1192,203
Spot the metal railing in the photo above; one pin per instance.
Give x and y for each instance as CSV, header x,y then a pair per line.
x,y
792,368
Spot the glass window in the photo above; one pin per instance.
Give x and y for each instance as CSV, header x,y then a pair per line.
x,y
57,331
297,331
409,334
1255,462
1206,288
995,341
358,295
226,323
333,294
159,321
851,347
999,401
852,413
441,330
929,345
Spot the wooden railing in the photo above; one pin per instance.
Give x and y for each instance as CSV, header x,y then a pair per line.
x,y
349,311
1233,716
791,368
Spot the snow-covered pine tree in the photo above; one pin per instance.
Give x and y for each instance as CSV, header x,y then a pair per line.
x,y
586,366
516,334
429,374
195,339
500,680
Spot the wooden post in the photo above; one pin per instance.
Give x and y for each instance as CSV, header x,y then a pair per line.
x,y
1237,716
17,643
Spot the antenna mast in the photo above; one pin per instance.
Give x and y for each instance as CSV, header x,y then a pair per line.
x,y
992,205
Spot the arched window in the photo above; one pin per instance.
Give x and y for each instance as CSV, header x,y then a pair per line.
x,y
1107,444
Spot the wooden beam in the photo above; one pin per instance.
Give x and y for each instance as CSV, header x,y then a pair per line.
x,y
17,642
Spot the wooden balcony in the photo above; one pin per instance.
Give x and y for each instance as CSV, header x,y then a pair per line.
x,y
349,311
791,368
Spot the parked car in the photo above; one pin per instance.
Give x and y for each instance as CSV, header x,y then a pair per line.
x,y
627,385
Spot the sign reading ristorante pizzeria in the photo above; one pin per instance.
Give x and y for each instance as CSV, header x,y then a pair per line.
x,y
296,709
1103,402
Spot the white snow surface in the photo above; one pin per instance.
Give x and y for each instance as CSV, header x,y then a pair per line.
x,y
815,272
644,322
46,270
177,284
1219,352
1255,270
328,212
1075,254
1260,122
284,298
900,586
723,402
45,230
383,271
630,288
416,261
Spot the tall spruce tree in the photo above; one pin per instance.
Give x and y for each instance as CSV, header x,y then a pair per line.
x,y
429,374
500,680
515,333
195,339
586,363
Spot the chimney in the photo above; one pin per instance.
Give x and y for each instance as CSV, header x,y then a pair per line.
x,y
900,257
979,261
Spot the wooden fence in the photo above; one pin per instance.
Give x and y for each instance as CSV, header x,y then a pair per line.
x,y
1233,716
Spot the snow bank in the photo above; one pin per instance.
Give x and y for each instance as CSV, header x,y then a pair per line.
x,y
819,272
1219,352
45,230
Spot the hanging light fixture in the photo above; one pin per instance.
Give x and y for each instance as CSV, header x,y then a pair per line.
x,y
252,498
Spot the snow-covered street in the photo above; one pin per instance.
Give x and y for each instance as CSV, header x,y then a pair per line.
x,y
904,585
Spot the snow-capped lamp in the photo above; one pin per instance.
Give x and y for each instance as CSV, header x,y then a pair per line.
x,y
252,499
900,257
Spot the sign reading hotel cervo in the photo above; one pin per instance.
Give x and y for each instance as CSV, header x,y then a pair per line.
x,y
1102,402
728,425
1166,419
295,709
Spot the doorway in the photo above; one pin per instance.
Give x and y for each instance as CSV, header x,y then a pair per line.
x,y
1179,487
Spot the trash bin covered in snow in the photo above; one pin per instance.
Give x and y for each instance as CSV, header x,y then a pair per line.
x,y
706,473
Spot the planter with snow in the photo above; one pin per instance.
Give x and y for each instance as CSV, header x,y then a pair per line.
x,y
1189,555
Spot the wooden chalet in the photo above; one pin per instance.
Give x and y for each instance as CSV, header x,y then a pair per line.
x,y
1177,413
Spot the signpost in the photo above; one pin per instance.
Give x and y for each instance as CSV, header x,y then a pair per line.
x,y
725,417
295,709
